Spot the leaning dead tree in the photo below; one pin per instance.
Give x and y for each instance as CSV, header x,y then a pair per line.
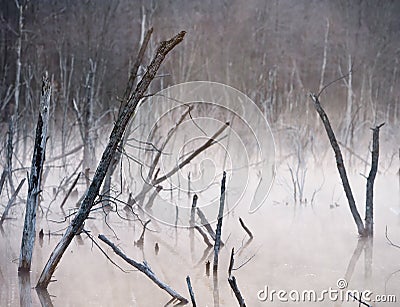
x,y
34,188
92,192
367,229
129,87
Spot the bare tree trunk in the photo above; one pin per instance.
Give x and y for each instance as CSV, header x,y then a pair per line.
x,y
369,209
20,8
323,66
29,232
348,115
340,165
10,150
108,154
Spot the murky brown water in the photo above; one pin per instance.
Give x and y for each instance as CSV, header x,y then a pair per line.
x,y
299,247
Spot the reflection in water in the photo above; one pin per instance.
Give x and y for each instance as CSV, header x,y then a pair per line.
x,y
24,282
25,292
354,259
310,251
215,289
368,255
44,298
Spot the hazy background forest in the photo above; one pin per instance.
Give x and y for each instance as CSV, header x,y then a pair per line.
x,y
276,52
271,50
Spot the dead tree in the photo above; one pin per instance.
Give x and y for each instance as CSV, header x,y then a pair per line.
x,y
92,192
218,231
369,208
144,268
88,139
34,188
7,172
366,230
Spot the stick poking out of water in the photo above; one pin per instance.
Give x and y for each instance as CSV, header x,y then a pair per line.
x,y
233,283
245,228
191,291
218,231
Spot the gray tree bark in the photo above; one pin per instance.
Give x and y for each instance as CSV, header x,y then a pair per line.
x,y
131,82
369,208
34,188
88,146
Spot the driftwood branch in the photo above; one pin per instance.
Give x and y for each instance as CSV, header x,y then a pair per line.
x,y
340,165
34,184
144,268
108,154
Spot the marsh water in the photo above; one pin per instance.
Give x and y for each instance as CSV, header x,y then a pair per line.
x,y
296,247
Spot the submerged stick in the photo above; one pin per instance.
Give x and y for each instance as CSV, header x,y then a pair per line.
x,y
235,289
193,211
191,291
144,268
70,190
245,228
219,223
232,281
